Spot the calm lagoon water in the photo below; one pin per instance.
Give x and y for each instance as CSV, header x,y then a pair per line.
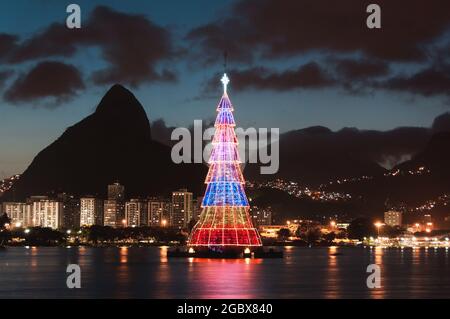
x,y
147,273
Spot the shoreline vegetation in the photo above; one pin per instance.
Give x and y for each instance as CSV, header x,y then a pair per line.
x,y
104,236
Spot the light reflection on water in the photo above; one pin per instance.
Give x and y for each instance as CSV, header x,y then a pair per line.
x,y
329,272
332,274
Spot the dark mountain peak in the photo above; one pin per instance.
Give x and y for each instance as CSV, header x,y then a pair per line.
x,y
435,156
120,110
119,100
439,144
349,130
441,123
317,130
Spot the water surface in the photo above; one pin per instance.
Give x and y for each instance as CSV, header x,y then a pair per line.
x,y
147,273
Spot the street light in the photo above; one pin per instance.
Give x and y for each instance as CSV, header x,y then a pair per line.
x,y
378,225
333,224
164,222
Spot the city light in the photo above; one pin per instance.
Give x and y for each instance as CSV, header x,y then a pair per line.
x,y
333,224
18,224
26,231
164,223
378,225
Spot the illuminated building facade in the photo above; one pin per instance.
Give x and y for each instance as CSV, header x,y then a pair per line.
x,y
135,213
91,211
182,208
114,206
159,212
71,209
48,213
20,214
261,216
393,218
225,221
111,213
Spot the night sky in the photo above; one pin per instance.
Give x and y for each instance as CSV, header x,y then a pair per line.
x,y
292,64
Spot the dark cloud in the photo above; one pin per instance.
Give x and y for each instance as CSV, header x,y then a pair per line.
x,y
161,132
132,44
430,81
7,44
214,39
54,80
308,76
4,76
360,69
358,75
56,40
298,26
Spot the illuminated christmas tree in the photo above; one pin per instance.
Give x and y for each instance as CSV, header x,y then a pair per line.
x,y
224,221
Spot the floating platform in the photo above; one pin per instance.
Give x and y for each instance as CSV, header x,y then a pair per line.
x,y
226,254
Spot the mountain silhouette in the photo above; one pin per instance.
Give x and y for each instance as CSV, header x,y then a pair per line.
x,y
435,156
426,176
112,144
315,155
